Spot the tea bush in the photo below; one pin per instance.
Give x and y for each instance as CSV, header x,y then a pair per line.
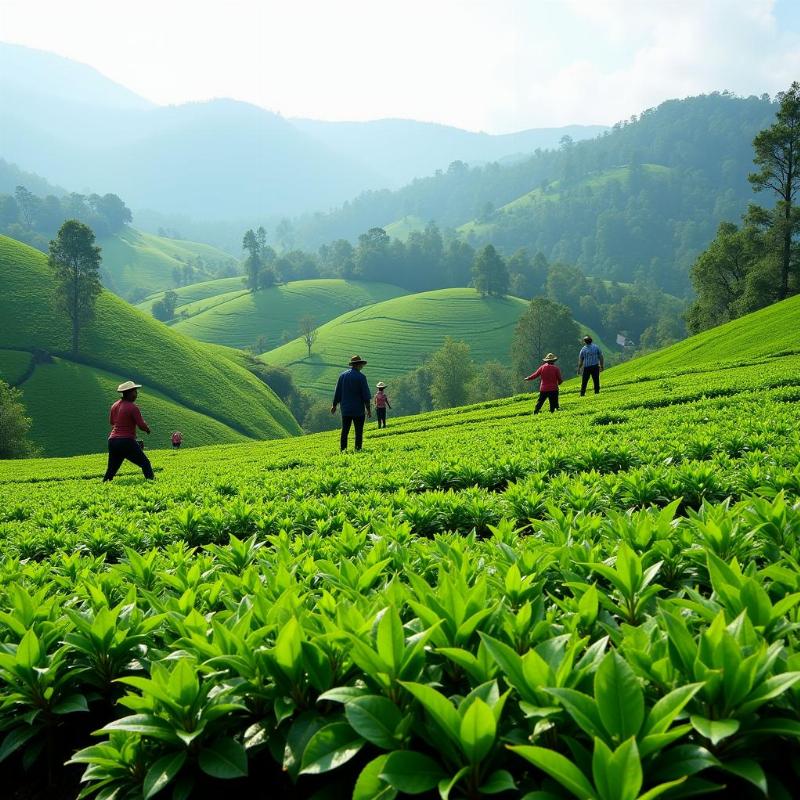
x,y
480,603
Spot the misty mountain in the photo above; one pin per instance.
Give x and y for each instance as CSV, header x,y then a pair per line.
x,y
221,159
405,149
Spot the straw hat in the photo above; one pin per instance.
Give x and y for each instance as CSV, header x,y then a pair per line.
x,y
128,385
550,357
356,360
380,385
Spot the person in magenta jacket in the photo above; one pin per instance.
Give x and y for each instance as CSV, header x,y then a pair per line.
x,y
550,377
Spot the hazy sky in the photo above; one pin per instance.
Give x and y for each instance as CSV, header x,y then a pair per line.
x,y
494,65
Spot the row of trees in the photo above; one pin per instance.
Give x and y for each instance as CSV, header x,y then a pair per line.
x,y
752,266
429,260
35,220
637,203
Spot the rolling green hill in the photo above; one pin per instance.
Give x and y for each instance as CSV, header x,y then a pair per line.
x,y
188,385
238,318
397,335
764,334
194,292
136,260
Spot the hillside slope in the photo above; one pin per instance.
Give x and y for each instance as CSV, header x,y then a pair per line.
x,y
194,292
192,387
138,262
397,335
763,335
240,318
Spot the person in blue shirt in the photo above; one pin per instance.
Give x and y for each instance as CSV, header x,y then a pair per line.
x,y
352,393
590,364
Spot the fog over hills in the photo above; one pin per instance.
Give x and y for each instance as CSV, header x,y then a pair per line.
x,y
221,159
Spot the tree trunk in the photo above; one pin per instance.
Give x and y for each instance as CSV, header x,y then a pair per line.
x,y
787,255
75,323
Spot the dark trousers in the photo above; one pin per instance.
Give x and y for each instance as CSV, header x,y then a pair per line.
x,y
358,424
594,372
551,396
381,415
121,449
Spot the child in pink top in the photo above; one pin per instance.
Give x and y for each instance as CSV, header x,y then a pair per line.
x,y
550,378
381,403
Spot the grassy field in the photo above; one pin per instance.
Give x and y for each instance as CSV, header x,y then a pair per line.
x,y
536,197
121,343
195,292
601,603
768,333
239,318
397,335
138,260
14,364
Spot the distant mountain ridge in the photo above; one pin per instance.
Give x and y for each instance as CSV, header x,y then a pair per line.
x,y
221,159
421,148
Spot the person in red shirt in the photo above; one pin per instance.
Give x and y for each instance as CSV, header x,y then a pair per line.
x,y
124,419
550,378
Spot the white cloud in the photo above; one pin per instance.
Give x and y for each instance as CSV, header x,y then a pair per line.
x,y
669,49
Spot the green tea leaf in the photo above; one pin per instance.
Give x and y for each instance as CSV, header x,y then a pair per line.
x,y
330,747
370,785
225,758
390,639
410,772
478,731
500,780
375,718
162,772
714,729
619,698
749,770
288,649
439,708
559,769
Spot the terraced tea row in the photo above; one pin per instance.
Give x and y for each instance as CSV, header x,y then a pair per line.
x,y
599,603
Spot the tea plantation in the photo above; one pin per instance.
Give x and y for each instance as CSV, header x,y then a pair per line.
x,y
401,333
600,603
193,386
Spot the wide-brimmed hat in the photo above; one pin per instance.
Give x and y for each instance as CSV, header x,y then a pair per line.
x,y
356,360
128,385
380,385
550,357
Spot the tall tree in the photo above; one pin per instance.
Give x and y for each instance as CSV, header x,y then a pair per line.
x,y
372,258
720,277
75,260
252,263
777,156
489,272
544,327
451,370
27,202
